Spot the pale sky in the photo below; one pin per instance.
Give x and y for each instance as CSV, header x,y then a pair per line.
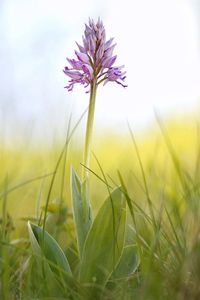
x,y
157,41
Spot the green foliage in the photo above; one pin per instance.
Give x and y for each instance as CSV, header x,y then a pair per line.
x,y
128,264
81,210
102,248
51,263
44,244
104,243
160,255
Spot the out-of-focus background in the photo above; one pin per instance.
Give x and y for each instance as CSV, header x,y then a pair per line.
x,y
158,41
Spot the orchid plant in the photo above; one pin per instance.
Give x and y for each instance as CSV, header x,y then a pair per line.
x,y
94,64
102,254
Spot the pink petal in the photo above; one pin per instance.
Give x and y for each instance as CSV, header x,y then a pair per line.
x,y
82,57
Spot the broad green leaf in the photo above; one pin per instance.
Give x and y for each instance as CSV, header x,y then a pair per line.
x,y
128,263
40,268
44,244
81,210
104,244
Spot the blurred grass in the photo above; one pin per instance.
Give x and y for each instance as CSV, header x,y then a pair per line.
x,y
163,203
114,151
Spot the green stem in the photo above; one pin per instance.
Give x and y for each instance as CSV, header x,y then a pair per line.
x,y
88,136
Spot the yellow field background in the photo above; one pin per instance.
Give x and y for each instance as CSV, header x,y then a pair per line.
x,y
19,162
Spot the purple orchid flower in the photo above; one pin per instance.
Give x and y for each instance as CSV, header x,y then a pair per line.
x,y
95,60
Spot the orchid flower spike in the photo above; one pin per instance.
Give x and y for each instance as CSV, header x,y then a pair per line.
x,y
94,60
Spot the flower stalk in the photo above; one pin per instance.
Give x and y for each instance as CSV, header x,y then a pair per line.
x,y
89,129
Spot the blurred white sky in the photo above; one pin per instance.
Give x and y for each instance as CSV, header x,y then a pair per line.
x,y
157,40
